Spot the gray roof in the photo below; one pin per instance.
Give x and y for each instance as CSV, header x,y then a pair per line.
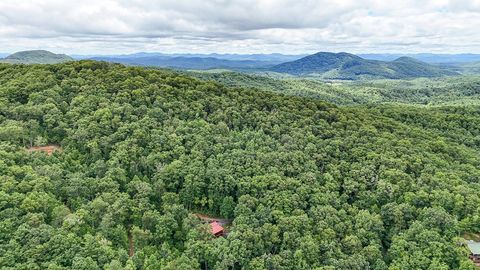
x,y
474,247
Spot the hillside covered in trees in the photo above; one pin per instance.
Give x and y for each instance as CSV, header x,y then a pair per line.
x,y
36,57
346,66
307,184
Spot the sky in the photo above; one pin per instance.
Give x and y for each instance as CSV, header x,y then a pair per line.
x,y
240,26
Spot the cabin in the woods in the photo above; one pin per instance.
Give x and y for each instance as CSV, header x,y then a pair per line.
x,y
474,248
216,224
217,229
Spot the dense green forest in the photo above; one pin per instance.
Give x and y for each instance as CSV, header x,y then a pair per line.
x,y
308,184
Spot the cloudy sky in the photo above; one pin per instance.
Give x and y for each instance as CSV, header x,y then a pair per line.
x,y
240,26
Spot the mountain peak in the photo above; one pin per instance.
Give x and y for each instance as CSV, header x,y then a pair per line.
x,y
36,57
349,66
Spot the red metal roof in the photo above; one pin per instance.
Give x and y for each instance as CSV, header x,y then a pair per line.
x,y
216,228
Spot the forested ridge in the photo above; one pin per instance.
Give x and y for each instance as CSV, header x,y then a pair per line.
x,y
308,184
348,66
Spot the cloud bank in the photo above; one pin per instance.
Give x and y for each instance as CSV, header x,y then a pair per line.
x,y
242,26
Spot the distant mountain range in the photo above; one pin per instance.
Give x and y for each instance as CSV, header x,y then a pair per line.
x,y
280,58
427,57
325,65
273,57
183,62
350,67
36,57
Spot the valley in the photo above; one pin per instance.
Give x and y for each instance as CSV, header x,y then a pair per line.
x,y
450,90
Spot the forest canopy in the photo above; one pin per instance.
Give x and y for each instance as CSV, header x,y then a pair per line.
x,y
307,184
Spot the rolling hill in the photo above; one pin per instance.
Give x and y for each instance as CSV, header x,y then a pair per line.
x,y
347,66
36,57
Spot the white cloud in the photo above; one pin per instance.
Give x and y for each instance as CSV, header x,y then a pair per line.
x,y
292,26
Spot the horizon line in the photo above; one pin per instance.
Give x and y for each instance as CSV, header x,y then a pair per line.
x,y
246,53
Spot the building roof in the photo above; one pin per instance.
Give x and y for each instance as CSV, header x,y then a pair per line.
x,y
474,247
49,149
216,228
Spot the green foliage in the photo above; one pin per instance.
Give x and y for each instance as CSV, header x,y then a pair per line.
x,y
307,184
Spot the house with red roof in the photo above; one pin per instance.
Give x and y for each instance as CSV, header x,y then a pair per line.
x,y
217,229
